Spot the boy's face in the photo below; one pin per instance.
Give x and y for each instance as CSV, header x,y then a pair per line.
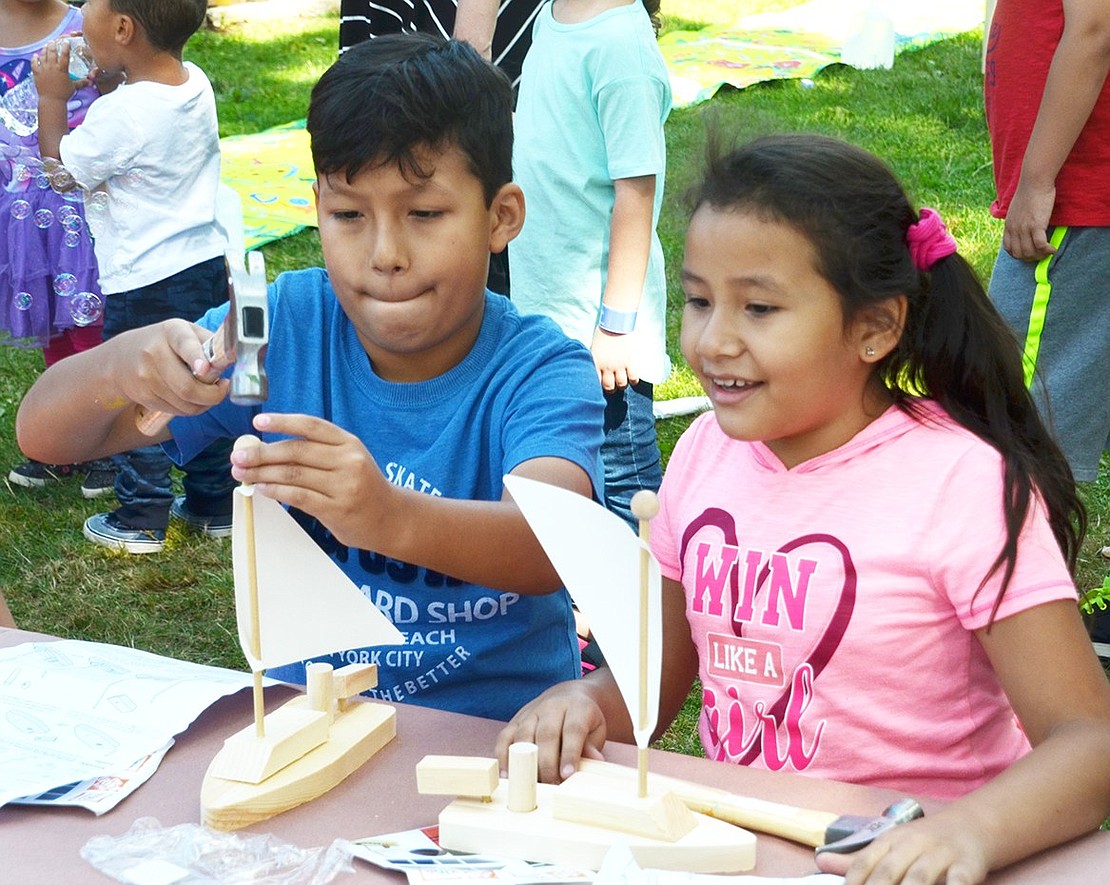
x,y
99,25
408,259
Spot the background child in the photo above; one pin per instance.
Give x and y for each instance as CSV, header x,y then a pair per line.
x,y
49,294
148,155
1048,112
401,391
829,525
500,30
590,157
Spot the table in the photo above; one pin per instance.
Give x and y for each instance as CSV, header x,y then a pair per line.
x,y
41,845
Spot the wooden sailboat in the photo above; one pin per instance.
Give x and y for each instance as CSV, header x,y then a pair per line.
x,y
292,603
577,821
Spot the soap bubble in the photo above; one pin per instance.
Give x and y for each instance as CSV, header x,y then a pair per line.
x,y
135,175
42,182
71,222
65,212
97,200
86,308
65,284
44,218
24,300
21,173
61,179
72,239
20,209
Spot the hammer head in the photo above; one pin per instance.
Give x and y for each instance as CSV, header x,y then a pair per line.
x,y
848,834
247,329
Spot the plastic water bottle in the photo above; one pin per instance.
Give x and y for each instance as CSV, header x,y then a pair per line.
x,y
870,41
80,59
19,108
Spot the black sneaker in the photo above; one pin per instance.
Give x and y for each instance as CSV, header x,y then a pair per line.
x,y
35,474
100,479
209,526
107,531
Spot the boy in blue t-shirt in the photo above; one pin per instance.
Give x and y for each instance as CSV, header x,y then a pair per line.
x,y
401,391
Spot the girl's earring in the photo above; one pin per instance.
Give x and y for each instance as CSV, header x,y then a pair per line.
x,y
869,351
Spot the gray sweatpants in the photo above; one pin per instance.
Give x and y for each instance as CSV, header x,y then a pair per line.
x,y
1060,311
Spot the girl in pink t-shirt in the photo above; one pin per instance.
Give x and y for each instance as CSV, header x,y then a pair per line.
x,y
866,547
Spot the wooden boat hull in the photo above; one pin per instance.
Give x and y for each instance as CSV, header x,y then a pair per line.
x,y
489,827
355,735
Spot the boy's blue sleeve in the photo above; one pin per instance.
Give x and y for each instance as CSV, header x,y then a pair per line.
x,y
559,412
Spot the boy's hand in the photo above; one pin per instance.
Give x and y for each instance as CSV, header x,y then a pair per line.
x,y
322,470
105,81
50,68
565,723
613,357
942,848
161,367
1025,235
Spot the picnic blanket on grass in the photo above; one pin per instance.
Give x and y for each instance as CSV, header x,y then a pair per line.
x,y
272,173
272,170
798,42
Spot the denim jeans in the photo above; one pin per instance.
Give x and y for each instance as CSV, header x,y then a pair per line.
x,y
143,483
630,452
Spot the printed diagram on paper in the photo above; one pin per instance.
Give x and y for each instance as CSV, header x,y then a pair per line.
x,y
74,711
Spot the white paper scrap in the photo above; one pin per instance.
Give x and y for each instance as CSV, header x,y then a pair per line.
x,y
72,710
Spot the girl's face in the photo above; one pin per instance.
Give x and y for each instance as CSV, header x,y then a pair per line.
x,y
765,335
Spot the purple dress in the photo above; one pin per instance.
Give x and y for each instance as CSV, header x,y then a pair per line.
x,y
48,272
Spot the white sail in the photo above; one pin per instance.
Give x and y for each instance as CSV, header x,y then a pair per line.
x,y
597,557
307,606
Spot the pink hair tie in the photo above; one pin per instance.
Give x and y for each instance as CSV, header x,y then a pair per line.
x,y
929,240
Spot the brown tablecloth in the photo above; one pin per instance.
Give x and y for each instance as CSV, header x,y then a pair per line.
x,y
41,845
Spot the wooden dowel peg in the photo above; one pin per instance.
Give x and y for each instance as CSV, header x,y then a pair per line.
x,y
523,774
645,507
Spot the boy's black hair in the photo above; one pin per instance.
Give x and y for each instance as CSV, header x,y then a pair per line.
x,y
954,348
388,98
167,24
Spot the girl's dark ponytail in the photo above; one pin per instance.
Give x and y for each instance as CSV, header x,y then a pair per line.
x,y
958,349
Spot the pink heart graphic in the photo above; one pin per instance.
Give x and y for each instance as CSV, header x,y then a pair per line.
x,y
830,637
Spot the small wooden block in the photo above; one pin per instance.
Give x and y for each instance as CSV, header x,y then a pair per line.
x,y
599,801
290,734
354,679
457,776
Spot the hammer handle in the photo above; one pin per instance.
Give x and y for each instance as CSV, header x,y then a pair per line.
x,y
802,825
150,423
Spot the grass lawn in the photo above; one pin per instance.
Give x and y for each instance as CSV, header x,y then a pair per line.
x,y
924,117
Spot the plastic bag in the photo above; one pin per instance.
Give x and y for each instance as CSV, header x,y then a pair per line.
x,y
190,854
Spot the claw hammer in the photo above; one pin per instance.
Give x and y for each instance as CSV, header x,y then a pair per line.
x,y
241,339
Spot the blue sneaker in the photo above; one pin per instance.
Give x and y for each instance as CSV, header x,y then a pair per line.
x,y
209,526
107,531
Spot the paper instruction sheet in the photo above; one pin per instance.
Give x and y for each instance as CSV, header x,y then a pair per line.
x,y
71,711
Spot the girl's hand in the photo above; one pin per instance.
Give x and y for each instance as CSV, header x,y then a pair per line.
x,y
565,722
322,470
613,357
942,848
50,68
